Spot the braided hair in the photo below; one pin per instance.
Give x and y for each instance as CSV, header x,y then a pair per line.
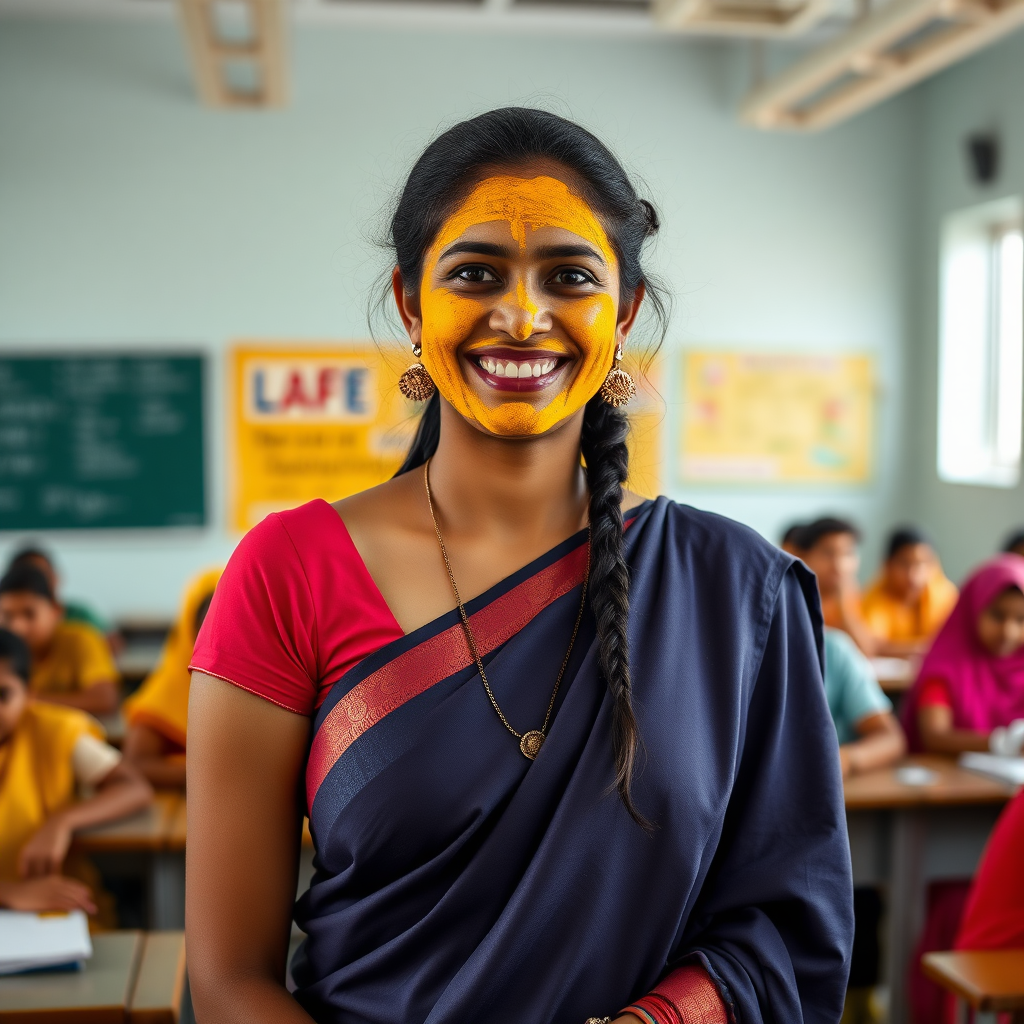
x,y
441,178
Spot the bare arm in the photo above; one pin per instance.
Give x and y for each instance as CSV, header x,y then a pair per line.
x,y
154,756
881,742
938,736
245,763
899,648
122,792
98,699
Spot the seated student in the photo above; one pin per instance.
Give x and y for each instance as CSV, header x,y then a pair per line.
x,y
46,752
74,611
1014,544
157,713
72,663
790,542
969,693
911,598
828,547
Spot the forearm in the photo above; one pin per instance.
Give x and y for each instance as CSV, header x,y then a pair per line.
x,y
115,800
162,772
953,741
874,751
100,699
863,637
219,997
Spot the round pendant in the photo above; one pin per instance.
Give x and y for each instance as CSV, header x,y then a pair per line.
x,y
531,743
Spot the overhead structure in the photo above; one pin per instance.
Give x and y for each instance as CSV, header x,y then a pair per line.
x,y
748,18
246,67
889,50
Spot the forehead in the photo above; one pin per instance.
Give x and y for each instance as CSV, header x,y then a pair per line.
x,y
22,599
526,205
913,552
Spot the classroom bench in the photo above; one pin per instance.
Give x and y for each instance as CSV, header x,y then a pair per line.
x,y
132,978
903,835
990,981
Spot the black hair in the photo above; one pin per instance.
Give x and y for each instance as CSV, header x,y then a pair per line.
x,y
793,534
200,616
445,172
1015,540
27,579
29,555
813,533
15,652
905,537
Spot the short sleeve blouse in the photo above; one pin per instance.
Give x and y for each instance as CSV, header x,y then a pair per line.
x,y
295,609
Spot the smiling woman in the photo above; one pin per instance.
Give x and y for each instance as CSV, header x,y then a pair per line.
x,y
564,752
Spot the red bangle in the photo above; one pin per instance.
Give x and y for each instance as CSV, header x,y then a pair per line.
x,y
686,996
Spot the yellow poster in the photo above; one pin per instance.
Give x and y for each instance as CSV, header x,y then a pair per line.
x,y
646,418
312,422
777,418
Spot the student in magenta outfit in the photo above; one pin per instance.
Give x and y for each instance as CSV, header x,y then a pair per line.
x,y
566,752
969,693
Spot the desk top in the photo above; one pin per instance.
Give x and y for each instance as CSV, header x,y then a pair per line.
x,y
160,983
883,790
148,830
991,979
97,994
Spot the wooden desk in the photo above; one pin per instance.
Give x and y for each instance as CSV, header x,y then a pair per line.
x,y
902,836
989,980
157,833
894,675
160,982
98,994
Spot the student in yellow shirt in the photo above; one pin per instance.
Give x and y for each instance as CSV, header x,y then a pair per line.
x,y
46,753
72,663
911,598
157,713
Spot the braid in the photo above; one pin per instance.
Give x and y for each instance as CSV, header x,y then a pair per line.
x,y
607,458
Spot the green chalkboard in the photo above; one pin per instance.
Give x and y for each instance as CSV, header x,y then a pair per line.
x,y
101,441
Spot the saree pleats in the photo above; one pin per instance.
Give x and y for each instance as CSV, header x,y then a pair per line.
x,y
459,882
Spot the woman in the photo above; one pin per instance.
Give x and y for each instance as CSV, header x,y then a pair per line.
x,y
911,598
970,691
565,752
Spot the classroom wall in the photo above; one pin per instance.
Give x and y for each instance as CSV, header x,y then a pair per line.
x,y
132,216
984,93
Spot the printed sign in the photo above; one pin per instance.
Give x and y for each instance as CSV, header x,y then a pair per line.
x,y
312,423
776,418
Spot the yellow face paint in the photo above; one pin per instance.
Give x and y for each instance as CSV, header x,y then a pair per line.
x,y
451,317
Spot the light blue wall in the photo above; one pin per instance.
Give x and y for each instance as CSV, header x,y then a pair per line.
x,y
131,216
984,93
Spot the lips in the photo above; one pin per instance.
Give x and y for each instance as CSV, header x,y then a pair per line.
x,y
511,371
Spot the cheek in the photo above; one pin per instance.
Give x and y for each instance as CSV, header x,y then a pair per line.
x,y
447,318
591,323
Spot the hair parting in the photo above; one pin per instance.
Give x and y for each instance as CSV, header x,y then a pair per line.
x,y
444,173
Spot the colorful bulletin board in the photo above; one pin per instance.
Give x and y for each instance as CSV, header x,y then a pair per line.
x,y
646,421
312,422
774,418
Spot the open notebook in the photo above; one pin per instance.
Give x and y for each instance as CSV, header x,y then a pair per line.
x,y
32,942
1005,769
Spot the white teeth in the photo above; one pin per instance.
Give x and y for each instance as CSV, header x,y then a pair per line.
x,y
499,369
536,369
531,368
511,369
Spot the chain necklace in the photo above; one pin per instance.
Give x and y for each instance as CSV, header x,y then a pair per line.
x,y
529,742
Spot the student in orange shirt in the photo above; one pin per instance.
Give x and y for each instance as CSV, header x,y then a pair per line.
x,y
911,598
72,663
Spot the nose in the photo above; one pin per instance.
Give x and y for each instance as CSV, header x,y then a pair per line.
x,y
519,314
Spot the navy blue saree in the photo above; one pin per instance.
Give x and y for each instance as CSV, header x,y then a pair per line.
x,y
458,882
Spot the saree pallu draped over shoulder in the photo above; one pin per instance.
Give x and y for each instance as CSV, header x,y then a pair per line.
x,y
458,882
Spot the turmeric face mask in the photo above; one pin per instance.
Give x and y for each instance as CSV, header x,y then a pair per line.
x,y
518,303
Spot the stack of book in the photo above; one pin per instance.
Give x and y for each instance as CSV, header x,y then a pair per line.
x,y
36,942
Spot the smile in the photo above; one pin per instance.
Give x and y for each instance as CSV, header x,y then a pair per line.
x,y
520,373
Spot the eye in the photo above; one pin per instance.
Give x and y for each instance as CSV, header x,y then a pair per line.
x,y
475,274
572,277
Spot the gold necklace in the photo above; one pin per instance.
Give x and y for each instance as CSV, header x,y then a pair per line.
x,y
529,742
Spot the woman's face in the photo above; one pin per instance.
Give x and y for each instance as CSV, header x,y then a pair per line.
x,y
519,305
1001,624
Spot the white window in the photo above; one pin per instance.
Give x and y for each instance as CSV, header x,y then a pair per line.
x,y
981,345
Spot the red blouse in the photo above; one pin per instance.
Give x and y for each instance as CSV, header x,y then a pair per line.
x,y
295,609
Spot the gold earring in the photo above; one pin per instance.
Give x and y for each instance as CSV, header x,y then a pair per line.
x,y
416,383
618,387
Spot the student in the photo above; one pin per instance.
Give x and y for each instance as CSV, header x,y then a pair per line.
x,y
911,598
72,663
1014,544
969,694
46,752
157,713
74,611
790,542
828,546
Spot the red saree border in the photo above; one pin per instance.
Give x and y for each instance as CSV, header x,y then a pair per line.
x,y
437,658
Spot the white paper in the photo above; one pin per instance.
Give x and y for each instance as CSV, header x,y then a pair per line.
x,y
31,941
1005,769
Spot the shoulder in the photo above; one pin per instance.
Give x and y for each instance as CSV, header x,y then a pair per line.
x,y
81,635
55,722
843,655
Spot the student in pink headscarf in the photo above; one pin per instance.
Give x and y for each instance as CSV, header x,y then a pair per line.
x,y
969,694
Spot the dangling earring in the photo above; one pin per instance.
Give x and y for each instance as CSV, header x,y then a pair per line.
x,y
618,387
416,383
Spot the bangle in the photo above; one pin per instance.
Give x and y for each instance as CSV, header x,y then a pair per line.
x,y
598,1020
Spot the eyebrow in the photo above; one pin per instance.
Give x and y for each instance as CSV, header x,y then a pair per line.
x,y
562,252
477,249
545,252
